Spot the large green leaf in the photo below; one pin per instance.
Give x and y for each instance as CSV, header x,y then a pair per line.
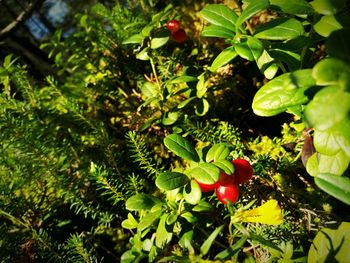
x,y
328,107
223,58
331,71
334,164
325,142
220,15
181,147
171,180
283,92
328,7
205,247
141,202
205,173
280,29
335,185
331,245
226,166
294,7
253,8
217,31
326,25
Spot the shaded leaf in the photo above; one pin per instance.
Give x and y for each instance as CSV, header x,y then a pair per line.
x,y
223,58
253,8
334,185
171,180
181,147
205,173
141,202
205,247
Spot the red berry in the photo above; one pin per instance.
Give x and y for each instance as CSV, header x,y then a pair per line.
x,y
243,171
173,26
227,190
207,187
179,36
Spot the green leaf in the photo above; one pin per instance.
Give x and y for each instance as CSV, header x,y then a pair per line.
x,y
326,25
342,135
163,237
217,31
290,58
253,8
226,166
331,71
171,180
147,220
229,252
171,219
250,50
280,29
143,54
141,202
190,218
201,87
220,15
205,247
186,240
181,147
223,58
334,164
129,256
328,7
184,78
334,185
202,107
283,92
202,206
266,65
217,151
295,7
160,39
192,193
205,173
170,118
329,106
149,90
331,244
134,39
325,142
337,45
185,102
130,222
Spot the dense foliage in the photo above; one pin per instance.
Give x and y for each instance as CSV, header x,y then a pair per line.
x,y
186,131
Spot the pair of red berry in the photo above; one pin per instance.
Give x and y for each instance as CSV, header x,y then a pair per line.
x,y
177,33
226,188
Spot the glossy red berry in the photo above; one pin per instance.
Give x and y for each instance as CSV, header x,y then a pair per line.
x,y
207,187
173,26
243,171
179,36
227,190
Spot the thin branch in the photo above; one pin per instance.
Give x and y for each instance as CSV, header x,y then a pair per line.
x,y
21,18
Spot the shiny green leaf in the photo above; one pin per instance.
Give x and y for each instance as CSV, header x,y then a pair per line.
x,y
181,147
163,236
325,142
192,193
149,219
294,7
253,8
223,58
217,31
326,25
217,151
205,173
334,164
220,15
134,39
226,166
280,29
331,71
171,180
328,7
335,185
283,92
342,135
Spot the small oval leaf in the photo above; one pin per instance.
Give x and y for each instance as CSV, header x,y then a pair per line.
x,y
217,151
192,193
205,173
223,58
181,147
141,202
220,15
280,29
171,180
